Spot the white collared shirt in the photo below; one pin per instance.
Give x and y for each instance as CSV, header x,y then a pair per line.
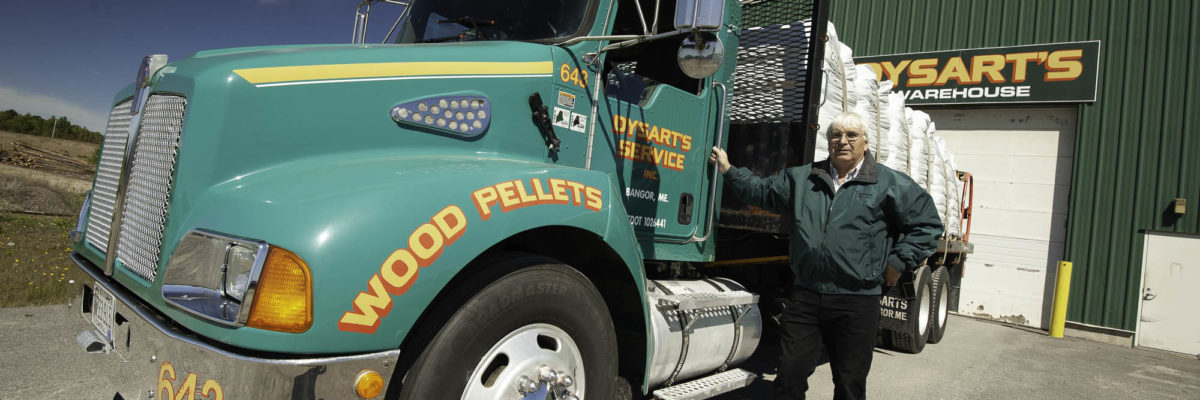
x,y
833,172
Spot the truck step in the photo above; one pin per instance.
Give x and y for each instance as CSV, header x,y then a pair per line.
x,y
692,301
707,387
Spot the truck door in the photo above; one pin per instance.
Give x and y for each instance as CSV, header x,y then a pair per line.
x,y
661,124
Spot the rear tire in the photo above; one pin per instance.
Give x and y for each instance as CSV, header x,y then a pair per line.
x,y
545,314
941,307
915,334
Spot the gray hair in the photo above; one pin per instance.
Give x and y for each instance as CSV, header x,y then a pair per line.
x,y
849,121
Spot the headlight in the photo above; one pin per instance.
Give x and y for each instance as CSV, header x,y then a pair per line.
x,y
218,276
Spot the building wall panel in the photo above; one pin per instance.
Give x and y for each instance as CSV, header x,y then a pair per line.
x,y
1136,147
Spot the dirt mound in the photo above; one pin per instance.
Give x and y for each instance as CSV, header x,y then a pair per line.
x,y
78,151
41,175
29,196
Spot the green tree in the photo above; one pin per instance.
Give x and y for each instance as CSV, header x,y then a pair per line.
x,y
56,126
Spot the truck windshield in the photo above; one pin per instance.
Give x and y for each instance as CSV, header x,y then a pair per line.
x,y
461,20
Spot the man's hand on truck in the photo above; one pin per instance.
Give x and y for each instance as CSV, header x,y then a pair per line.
x,y
719,157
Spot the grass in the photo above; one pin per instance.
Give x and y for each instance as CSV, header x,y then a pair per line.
x,y
35,260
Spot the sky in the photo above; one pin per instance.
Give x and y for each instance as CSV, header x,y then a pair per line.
x,y
70,58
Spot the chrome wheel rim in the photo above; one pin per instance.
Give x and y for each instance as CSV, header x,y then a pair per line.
x,y
943,302
520,354
923,313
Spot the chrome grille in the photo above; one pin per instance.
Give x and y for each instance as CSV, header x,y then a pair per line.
x,y
146,200
108,174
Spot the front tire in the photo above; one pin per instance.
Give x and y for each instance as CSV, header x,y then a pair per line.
x,y
545,314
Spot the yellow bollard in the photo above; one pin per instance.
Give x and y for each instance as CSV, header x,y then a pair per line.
x,y
1058,318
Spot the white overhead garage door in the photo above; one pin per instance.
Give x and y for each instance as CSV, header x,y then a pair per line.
x,y
1021,160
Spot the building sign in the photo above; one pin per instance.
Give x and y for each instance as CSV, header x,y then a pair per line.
x,y
1040,73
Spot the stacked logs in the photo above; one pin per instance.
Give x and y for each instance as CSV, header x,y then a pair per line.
x,y
26,156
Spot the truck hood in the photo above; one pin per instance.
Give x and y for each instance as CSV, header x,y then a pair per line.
x,y
250,114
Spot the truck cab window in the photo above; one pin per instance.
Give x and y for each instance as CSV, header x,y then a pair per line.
x,y
465,20
652,63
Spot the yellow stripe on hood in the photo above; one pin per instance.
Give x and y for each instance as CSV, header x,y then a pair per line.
x,y
393,69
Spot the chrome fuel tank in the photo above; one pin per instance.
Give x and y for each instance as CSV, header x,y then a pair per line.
x,y
700,326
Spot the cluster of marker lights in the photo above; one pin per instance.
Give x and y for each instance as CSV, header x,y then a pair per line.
x,y
459,115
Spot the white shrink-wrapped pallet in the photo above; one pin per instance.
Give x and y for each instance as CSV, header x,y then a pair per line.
x,y
918,143
937,177
836,89
880,102
897,134
866,90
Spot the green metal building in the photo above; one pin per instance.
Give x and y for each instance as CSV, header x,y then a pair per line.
x,y
1133,154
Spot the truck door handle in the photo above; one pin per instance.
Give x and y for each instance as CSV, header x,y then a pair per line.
x,y
1148,297
685,208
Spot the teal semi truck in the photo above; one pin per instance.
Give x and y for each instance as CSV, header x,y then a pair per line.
x,y
501,200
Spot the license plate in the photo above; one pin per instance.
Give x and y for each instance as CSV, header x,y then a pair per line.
x,y
102,311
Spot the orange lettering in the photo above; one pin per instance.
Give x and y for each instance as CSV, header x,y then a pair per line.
x,y
399,271
508,195
594,198
369,308
541,194
989,64
484,199
955,70
187,389
166,381
559,190
426,244
212,390
576,191
1019,61
893,71
452,222
922,72
1064,65
620,124
525,197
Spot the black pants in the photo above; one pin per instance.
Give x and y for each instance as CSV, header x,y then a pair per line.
x,y
845,324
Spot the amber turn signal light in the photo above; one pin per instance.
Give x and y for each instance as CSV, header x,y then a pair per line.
x,y
283,298
368,384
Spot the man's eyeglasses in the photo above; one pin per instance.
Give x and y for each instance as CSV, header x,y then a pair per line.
x,y
850,137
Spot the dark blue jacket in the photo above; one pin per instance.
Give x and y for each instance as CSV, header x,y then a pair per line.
x,y
840,243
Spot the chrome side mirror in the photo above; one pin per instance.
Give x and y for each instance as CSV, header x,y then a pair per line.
x,y
700,54
704,15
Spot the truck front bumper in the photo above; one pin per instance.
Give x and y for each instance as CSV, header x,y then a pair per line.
x,y
178,364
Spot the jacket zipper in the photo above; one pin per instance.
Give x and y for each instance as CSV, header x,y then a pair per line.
x,y
832,199
829,211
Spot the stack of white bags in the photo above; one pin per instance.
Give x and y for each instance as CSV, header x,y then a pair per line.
x,y
898,137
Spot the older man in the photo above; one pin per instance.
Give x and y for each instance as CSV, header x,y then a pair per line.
x,y
855,225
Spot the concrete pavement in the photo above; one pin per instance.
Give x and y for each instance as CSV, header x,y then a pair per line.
x,y
976,360
985,360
